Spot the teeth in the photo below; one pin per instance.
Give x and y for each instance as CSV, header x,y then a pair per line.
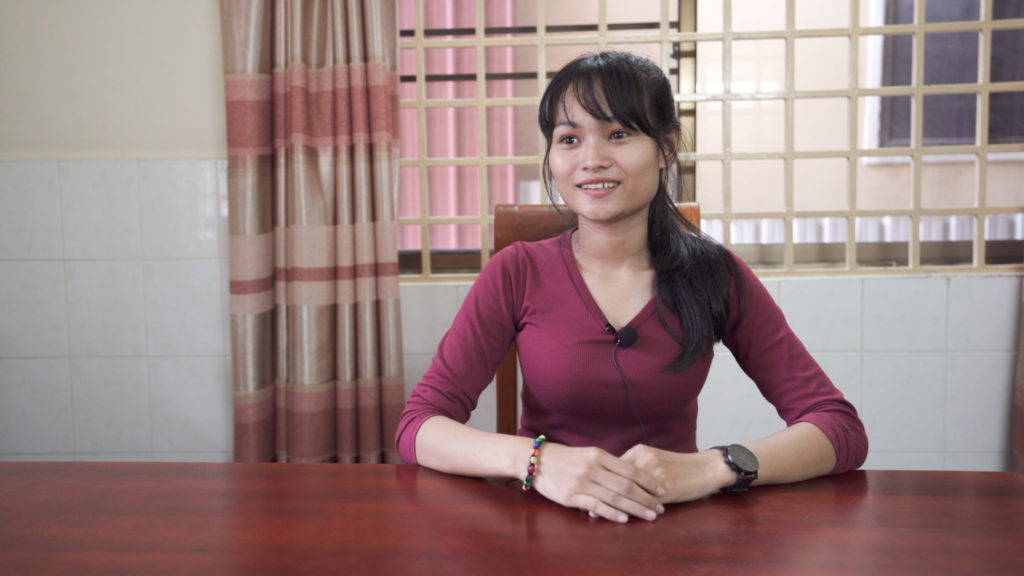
x,y
601,186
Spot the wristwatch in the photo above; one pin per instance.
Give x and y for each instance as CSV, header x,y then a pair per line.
x,y
743,461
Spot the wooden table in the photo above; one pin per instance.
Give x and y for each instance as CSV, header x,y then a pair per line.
x,y
153,518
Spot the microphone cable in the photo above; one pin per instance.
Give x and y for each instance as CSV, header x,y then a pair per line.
x,y
625,338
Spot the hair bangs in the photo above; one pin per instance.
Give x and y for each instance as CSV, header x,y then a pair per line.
x,y
604,88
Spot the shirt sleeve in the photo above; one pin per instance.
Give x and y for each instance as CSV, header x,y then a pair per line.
x,y
468,354
776,360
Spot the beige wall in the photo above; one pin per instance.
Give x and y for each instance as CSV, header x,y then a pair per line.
x,y
110,79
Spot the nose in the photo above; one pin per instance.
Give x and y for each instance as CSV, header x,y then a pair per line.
x,y
595,154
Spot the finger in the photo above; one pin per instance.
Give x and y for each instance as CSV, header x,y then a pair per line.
x,y
638,503
645,481
610,506
598,509
625,496
642,460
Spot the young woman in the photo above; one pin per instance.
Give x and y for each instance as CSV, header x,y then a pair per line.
x,y
614,322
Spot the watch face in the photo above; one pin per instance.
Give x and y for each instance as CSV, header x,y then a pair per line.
x,y
743,458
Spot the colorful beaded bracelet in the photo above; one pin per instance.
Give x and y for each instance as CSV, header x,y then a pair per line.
x,y
528,482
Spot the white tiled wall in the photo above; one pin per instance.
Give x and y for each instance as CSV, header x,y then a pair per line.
x,y
113,331
927,360
114,335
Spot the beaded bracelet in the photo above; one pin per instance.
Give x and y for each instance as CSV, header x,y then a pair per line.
x,y
528,482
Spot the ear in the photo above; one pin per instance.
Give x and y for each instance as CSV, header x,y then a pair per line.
x,y
672,140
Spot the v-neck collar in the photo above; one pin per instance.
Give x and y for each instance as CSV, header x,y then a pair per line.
x,y
565,245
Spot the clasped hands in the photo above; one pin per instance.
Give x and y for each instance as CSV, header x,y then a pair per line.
x,y
639,483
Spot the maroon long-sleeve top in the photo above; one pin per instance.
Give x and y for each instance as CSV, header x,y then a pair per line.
x,y
533,294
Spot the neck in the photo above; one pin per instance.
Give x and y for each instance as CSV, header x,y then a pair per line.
x,y
609,247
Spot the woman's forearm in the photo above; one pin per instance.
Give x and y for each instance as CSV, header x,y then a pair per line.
x,y
799,452
448,446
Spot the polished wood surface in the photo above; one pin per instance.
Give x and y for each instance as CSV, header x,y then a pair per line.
x,y
149,518
529,223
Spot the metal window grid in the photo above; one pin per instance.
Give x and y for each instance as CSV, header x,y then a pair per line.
x,y
669,39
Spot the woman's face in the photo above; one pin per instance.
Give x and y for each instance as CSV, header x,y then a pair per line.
x,y
605,172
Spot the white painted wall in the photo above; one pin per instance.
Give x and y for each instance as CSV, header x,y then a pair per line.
x,y
111,79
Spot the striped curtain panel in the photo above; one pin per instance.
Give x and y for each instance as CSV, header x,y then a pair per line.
x,y
311,91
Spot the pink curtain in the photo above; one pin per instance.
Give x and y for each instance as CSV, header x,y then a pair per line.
x,y
311,91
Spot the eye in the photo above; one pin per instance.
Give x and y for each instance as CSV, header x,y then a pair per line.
x,y
568,140
619,134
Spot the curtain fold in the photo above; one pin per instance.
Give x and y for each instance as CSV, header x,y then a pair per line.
x,y
311,94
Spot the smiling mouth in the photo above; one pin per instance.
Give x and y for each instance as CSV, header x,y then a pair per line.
x,y
600,186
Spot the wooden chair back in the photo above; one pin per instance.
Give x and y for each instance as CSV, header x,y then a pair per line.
x,y
528,223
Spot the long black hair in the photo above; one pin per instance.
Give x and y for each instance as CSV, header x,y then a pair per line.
x,y
693,273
